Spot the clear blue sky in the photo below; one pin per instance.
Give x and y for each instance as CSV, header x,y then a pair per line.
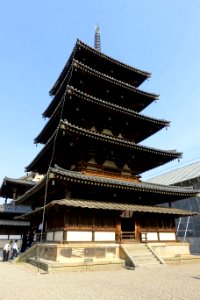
x,y
158,36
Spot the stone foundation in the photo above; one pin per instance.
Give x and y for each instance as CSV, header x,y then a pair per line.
x,y
171,249
77,252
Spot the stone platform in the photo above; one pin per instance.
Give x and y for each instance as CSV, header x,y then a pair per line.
x,y
98,256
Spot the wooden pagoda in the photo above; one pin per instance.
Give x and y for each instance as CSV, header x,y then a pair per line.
x,y
92,159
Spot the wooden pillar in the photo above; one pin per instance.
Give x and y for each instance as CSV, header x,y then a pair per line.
x,y
118,228
64,235
137,227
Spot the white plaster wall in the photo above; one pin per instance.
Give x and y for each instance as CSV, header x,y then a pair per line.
x,y
79,236
104,236
3,236
15,237
167,236
58,236
49,236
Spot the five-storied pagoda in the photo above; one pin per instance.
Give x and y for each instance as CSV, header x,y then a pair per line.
x,y
92,194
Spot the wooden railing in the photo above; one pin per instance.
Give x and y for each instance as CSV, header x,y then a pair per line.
x,y
127,235
100,170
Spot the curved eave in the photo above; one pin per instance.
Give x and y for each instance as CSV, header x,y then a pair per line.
x,y
82,203
142,74
116,140
11,184
58,96
100,78
79,178
32,191
18,181
41,136
125,144
108,58
113,80
115,107
154,125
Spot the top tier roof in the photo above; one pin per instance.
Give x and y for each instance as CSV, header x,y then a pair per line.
x,y
104,64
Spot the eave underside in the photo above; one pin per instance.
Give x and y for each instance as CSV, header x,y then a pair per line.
x,y
82,186
110,206
101,86
103,63
10,185
68,141
77,109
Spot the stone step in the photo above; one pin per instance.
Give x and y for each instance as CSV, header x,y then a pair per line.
x,y
140,255
148,260
147,256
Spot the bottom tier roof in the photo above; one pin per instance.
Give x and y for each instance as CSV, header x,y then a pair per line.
x,y
112,206
84,186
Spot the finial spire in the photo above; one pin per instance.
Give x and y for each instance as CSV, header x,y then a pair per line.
x,y
97,39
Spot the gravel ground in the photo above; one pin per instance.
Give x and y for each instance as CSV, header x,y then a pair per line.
x,y
22,281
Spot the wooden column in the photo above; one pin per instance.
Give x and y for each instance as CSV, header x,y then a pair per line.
x,y
137,227
118,228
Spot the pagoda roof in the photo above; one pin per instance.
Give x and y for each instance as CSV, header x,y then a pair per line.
x,y
151,192
103,62
111,206
9,184
115,86
152,125
150,157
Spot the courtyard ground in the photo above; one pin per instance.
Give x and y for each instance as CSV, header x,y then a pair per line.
x,y
22,281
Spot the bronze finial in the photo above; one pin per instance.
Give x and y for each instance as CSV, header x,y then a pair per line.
x,y
97,39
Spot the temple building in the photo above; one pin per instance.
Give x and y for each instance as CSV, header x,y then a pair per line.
x,y
10,228
92,160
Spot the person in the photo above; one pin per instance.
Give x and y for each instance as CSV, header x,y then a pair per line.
x,y
6,250
30,238
24,242
14,250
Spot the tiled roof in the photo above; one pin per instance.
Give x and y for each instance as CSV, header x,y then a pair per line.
x,y
14,223
78,177
116,140
113,106
19,181
101,77
15,209
167,155
78,44
77,64
114,206
179,175
160,123
140,186
145,73
20,184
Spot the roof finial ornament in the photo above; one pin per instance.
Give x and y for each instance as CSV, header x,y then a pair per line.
x,y
97,39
